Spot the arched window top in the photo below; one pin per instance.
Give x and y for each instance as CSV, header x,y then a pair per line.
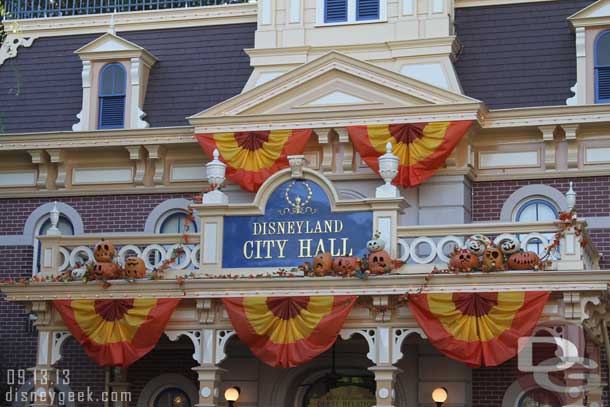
x,y
112,80
602,49
176,222
602,67
536,210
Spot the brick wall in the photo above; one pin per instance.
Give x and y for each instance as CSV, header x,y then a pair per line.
x,y
592,195
100,214
592,199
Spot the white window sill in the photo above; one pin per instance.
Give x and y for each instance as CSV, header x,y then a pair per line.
x,y
341,23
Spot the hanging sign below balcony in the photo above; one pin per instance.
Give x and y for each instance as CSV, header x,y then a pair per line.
x,y
298,224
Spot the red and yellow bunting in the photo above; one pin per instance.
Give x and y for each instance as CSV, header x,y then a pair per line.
x,y
422,148
116,332
288,331
479,329
253,156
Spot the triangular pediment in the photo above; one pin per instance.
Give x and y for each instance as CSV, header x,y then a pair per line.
x,y
111,45
334,83
593,13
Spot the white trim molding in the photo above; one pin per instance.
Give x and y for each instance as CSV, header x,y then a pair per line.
x,y
529,192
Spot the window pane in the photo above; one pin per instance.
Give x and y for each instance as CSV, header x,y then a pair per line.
x,y
545,213
603,50
528,214
536,210
174,223
112,80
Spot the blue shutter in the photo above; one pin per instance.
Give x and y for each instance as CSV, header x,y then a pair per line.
x,y
602,84
367,10
112,112
335,11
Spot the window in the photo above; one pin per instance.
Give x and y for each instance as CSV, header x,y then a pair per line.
x,y
539,398
536,210
343,11
172,397
112,97
175,223
65,227
602,68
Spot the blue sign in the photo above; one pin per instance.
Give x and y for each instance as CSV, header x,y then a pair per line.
x,y
297,225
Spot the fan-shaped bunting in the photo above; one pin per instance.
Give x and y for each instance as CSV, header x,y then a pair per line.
x,y
479,329
422,148
116,332
253,156
288,331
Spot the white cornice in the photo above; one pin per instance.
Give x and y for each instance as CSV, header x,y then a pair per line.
x,y
561,281
539,116
98,138
136,20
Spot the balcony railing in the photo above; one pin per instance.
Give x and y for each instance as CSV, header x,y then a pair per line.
x,y
421,248
22,9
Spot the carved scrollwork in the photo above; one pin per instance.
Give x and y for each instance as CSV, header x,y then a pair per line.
x,y
596,325
194,336
11,44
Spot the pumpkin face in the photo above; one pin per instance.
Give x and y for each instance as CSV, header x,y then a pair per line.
x,y
380,262
510,245
104,251
463,260
135,267
106,271
493,259
345,266
374,245
477,244
524,261
322,264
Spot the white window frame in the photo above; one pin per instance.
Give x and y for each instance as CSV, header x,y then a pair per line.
x,y
351,14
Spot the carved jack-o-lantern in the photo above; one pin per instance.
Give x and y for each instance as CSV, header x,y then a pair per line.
x,y
135,267
380,262
524,261
106,271
345,266
510,245
322,264
104,251
463,260
493,259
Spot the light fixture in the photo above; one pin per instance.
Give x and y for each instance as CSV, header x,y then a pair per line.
x,y
439,396
178,401
231,395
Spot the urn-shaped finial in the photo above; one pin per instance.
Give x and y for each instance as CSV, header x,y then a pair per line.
x,y
54,218
571,198
216,170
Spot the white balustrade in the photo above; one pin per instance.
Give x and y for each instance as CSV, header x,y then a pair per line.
x,y
153,254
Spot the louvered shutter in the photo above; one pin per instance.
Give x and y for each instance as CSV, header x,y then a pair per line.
x,y
602,84
112,112
335,11
367,9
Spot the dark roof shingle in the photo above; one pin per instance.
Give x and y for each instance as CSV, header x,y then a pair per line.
x,y
40,89
518,55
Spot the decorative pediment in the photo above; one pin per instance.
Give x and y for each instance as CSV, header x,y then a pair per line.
x,y
336,85
597,13
111,46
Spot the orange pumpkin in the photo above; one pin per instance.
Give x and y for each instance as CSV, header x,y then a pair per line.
x,y
135,267
104,251
380,262
524,261
493,259
463,260
322,264
106,271
345,266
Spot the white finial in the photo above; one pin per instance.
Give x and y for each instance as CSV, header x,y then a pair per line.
x,y
111,28
215,171
388,169
54,217
216,154
571,197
